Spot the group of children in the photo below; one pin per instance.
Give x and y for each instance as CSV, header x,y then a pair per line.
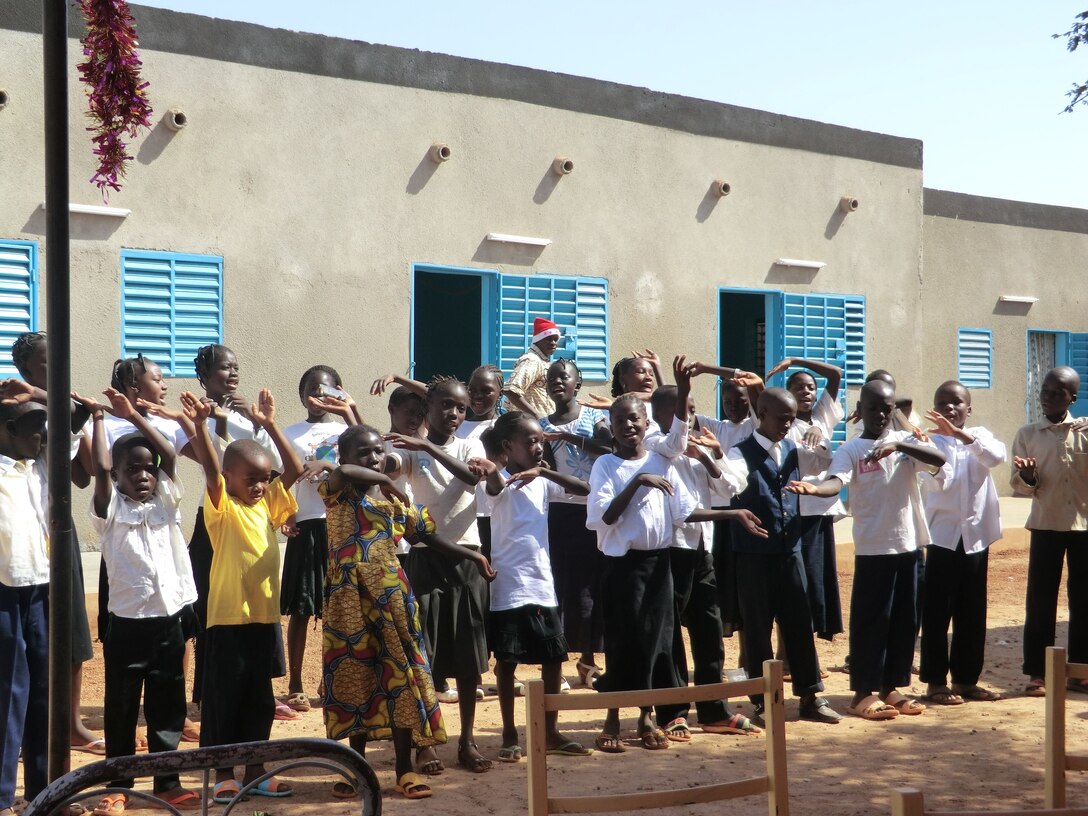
x,y
595,525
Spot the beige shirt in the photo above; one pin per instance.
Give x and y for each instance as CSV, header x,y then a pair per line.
x,y
530,381
1059,497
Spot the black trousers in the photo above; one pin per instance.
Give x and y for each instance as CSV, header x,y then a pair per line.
x,y
955,593
1049,550
145,655
770,588
883,622
237,701
695,592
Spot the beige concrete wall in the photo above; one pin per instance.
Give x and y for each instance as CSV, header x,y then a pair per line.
x,y
317,192
968,265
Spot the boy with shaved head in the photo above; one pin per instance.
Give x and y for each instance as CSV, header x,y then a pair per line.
x,y
1050,464
881,466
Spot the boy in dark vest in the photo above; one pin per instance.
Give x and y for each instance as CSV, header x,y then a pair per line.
x,y
771,581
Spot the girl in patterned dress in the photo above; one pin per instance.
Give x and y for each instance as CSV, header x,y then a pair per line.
x,y
376,675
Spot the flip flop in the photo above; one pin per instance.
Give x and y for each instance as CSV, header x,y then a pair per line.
x,y
225,792
272,787
190,733
587,673
737,724
95,746
903,704
654,739
413,786
678,730
873,708
180,798
110,804
510,753
569,748
298,702
344,790
284,712
977,694
609,743
944,696
1036,688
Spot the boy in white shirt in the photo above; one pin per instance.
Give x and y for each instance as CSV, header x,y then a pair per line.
x,y
964,519
134,510
881,466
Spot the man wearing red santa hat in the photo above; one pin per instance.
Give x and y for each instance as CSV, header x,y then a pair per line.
x,y
527,388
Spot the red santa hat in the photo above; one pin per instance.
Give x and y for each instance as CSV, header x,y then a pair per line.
x,y
542,328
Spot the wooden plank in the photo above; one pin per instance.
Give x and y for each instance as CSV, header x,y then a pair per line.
x,y
774,715
536,740
645,697
1054,730
1076,671
1076,762
907,802
609,803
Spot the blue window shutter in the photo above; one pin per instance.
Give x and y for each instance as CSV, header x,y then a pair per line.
x,y
1078,359
855,340
171,305
579,306
974,357
18,297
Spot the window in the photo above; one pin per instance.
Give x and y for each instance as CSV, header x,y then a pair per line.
x,y
974,354
579,306
18,296
171,305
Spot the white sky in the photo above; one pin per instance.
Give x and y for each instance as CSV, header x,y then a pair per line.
x,y
982,84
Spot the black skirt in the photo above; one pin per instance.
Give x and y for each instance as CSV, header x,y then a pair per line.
x,y
527,634
639,616
818,553
453,602
81,627
725,573
578,567
305,560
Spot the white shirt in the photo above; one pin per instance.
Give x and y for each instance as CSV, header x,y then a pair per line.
x,y
728,433
24,523
238,427
313,440
650,519
451,501
884,495
671,445
519,544
826,414
472,430
965,504
145,553
400,481
735,471
706,490
116,428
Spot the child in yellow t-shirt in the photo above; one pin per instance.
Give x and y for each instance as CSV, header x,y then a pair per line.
x,y
243,507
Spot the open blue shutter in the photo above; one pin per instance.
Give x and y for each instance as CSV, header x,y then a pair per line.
x,y
855,340
974,356
18,297
579,306
1078,359
171,305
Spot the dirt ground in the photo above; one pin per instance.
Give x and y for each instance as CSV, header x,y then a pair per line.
x,y
978,755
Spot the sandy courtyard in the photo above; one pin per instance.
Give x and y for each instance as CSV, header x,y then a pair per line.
x,y
978,755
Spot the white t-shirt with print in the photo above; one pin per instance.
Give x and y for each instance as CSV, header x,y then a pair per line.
x,y
313,441
451,501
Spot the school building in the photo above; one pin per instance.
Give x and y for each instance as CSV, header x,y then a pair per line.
x,y
307,199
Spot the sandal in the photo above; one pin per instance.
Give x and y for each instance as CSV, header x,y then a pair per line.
x,y
110,804
943,696
432,766
569,748
190,733
654,739
284,712
477,764
413,786
678,730
344,790
180,798
510,753
449,696
272,787
95,746
298,702
903,704
225,792
977,694
609,743
587,673
873,708
737,724
1036,688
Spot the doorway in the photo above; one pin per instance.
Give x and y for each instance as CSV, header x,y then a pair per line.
x,y
448,310
742,330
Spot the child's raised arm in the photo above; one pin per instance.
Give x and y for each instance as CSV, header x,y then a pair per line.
x,y
745,379
827,488
454,466
650,356
378,387
122,409
926,454
264,412
831,373
571,484
201,446
366,477
101,463
181,418
344,409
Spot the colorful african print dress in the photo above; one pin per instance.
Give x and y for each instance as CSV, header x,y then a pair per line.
x,y
374,663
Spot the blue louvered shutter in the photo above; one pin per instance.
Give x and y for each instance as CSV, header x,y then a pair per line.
x,y
18,297
171,305
1078,359
830,328
974,357
579,306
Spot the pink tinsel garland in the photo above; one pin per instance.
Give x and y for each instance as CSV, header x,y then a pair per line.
x,y
118,99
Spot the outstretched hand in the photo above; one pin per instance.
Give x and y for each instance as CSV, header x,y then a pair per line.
x,y
522,478
192,406
155,409
377,388
402,442
596,401
120,407
649,355
93,406
481,468
944,427
813,438
881,452
15,392
747,379
680,372
750,522
801,488
334,405
1027,467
